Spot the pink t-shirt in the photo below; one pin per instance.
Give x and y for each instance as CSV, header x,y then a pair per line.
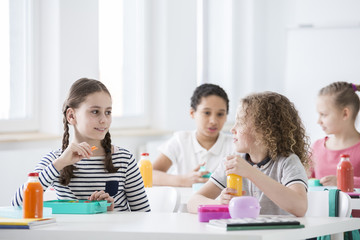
x,y
325,160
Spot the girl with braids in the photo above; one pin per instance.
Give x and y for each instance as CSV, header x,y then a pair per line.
x,y
75,171
271,137
338,106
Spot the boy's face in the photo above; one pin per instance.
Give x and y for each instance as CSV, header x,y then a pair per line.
x,y
330,117
242,132
210,116
93,117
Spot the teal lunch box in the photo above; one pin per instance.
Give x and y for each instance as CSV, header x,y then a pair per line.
x,y
77,206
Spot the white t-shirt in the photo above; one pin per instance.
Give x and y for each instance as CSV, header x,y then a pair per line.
x,y
185,152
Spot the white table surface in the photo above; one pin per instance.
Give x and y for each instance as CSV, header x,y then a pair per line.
x,y
186,193
138,225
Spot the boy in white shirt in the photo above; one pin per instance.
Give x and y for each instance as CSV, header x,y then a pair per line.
x,y
206,146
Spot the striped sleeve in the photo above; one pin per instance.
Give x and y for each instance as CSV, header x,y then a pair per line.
x,y
47,174
134,188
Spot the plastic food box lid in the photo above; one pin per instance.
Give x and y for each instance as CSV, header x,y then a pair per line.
x,y
17,212
77,206
213,208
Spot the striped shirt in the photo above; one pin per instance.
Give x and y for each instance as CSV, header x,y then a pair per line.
x,y
125,185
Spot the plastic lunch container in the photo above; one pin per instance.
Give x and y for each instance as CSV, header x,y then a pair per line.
x,y
207,212
77,206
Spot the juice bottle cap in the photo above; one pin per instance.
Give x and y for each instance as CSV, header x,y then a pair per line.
x,y
145,154
33,174
344,155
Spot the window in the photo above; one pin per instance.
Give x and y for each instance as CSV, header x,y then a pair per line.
x,y
121,59
216,47
5,59
17,111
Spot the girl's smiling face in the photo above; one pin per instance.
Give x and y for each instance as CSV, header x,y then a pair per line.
x,y
92,119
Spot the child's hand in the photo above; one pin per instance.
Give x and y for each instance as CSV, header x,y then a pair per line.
x,y
226,195
235,164
101,195
330,180
194,177
72,154
202,169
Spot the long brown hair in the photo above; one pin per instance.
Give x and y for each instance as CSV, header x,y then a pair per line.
x,y
77,94
344,95
276,125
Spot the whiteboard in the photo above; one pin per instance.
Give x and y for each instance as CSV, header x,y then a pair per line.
x,y
316,57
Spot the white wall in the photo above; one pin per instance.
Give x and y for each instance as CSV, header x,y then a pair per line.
x,y
171,58
16,161
259,52
317,56
68,50
282,56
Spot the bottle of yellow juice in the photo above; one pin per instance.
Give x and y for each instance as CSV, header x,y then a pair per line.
x,y
146,169
234,181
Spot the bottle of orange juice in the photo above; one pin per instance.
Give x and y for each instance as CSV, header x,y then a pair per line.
x,y
33,197
145,167
234,181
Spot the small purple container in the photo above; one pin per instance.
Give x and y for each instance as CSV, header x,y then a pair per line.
x,y
208,212
244,207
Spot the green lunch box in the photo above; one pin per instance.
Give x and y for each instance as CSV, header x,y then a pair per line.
x,y
77,206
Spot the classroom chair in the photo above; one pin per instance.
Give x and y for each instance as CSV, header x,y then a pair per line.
x,y
318,204
163,199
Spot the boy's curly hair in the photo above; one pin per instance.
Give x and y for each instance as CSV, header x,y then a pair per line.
x,y
276,125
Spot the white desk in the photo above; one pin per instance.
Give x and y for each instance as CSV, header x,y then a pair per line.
x,y
186,193
167,226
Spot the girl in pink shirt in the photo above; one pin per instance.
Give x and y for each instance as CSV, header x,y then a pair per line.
x,y
337,105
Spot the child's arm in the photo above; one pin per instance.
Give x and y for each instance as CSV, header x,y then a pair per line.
x,y
72,154
101,195
205,195
160,177
330,180
292,199
134,188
